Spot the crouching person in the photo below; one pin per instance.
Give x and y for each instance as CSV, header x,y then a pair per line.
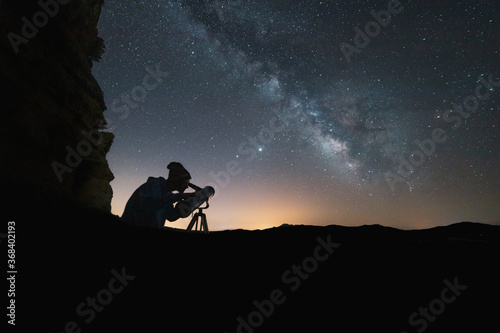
x,y
153,202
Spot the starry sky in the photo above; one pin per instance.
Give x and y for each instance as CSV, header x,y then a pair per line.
x,y
309,112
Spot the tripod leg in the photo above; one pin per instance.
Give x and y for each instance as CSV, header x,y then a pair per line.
x,y
193,221
202,219
204,223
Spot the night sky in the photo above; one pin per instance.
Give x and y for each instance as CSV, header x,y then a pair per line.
x,y
309,112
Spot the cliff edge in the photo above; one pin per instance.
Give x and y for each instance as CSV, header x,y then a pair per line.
x,y
53,143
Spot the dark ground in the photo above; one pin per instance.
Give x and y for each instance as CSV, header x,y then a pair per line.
x,y
184,282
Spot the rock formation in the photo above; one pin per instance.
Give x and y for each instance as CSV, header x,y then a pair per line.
x,y
54,143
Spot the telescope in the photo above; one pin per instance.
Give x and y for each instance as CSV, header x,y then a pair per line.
x,y
186,207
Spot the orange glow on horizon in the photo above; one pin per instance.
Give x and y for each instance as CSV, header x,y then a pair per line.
x,y
247,210
263,206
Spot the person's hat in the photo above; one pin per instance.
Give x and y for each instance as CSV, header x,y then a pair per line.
x,y
177,170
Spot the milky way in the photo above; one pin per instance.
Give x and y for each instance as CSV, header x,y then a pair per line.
x,y
262,99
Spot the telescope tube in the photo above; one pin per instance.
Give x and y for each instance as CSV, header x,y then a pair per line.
x,y
186,207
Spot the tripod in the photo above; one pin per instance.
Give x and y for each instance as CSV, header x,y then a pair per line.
x,y
203,222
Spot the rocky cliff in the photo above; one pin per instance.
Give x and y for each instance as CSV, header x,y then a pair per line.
x,y
54,143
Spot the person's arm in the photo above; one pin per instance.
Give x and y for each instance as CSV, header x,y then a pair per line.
x,y
185,196
170,199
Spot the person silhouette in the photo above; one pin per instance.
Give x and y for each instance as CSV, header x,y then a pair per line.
x,y
153,202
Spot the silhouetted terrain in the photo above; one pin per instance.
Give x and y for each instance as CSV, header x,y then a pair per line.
x,y
374,279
